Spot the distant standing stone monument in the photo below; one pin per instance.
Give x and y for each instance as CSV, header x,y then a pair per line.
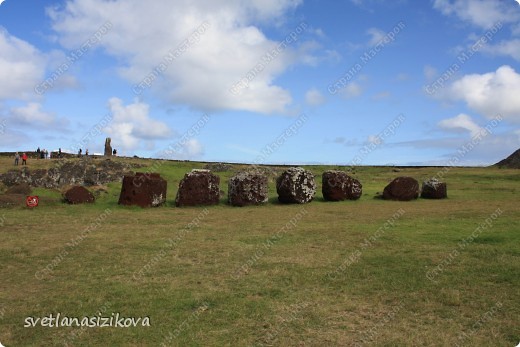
x,y
108,147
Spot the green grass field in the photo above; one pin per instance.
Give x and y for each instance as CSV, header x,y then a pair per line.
x,y
355,273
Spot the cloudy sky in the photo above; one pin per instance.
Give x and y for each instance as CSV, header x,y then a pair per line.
x,y
265,81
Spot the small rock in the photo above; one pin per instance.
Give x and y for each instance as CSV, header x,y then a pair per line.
x,y
79,195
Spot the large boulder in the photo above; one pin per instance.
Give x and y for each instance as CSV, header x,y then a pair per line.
x,y
434,189
296,186
338,186
248,188
79,195
402,189
143,189
198,187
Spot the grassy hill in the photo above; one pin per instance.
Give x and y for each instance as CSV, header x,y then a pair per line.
x,y
366,272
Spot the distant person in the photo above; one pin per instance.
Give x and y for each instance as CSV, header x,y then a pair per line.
x,y
59,152
46,154
24,159
86,152
38,153
79,153
16,158
114,152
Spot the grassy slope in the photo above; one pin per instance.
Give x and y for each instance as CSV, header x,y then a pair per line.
x,y
286,297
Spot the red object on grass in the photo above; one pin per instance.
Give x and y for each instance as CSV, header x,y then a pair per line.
x,y
32,201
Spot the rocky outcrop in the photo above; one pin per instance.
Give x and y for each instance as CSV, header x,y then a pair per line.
x,y
69,172
402,189
338,186
78,195
217,167
434,189
248,188
296,186
511,162
143,189
198,187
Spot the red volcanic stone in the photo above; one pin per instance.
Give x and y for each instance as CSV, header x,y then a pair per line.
x,y
143,189
79,195
248,188
402,189
296,186
338,186
198,187
434,189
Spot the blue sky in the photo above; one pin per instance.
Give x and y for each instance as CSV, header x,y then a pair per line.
x,y
367,82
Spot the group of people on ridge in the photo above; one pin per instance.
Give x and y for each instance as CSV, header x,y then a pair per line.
x,y
44,154
17,158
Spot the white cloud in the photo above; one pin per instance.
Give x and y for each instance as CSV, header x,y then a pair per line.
x,y
489,94
516,29
369,4
21,67
509,48
462,122
131,125
193,148
13,140
376,36
382,95
185,150
429,72
230,47
314,97
482,13
351,90
31,114
374,139
403,77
